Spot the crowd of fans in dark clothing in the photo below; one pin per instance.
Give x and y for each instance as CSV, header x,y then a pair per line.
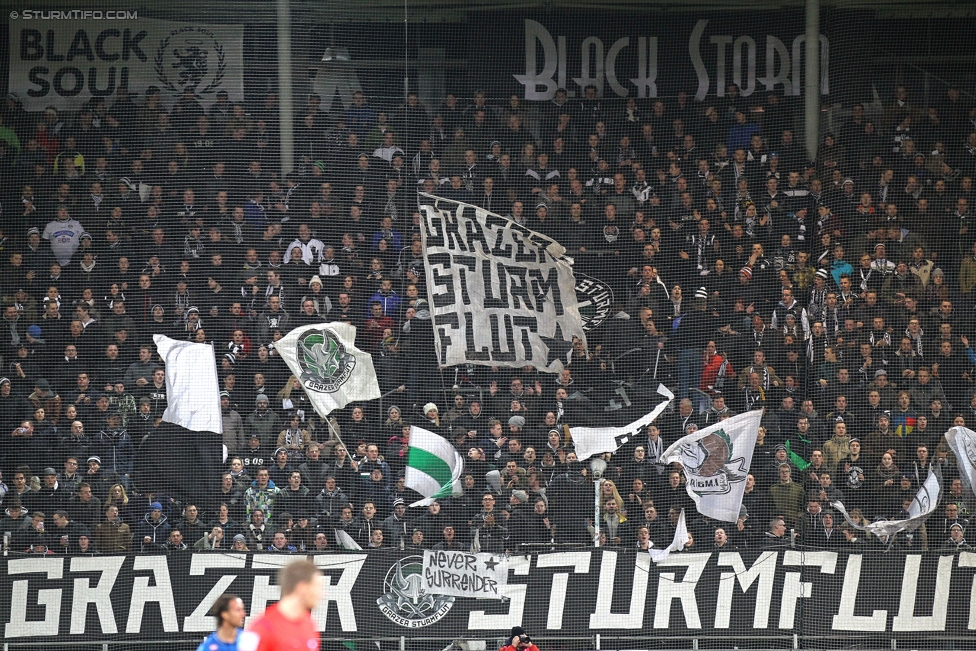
x,y
836,294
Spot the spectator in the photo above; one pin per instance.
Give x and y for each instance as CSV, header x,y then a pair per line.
x,y
112,536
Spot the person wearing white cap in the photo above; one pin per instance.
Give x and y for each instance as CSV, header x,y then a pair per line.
x,y
432,415
957,541
321,302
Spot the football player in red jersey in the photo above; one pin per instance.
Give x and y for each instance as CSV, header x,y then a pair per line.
x,y
288,624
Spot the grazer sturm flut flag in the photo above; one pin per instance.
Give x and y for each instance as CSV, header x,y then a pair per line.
x,y
500,294
433,467
716,461
333,372
192,388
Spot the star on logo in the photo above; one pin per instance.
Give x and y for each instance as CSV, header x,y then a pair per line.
x,y
491,563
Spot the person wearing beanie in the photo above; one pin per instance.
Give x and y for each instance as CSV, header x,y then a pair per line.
x,y
153,530
957,540
263,422
519,641
432,415
397,527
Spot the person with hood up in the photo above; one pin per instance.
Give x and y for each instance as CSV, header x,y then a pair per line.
x,y
154,528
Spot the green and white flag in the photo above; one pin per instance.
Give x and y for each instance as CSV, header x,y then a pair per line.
x,y
324,357
433,466
345,541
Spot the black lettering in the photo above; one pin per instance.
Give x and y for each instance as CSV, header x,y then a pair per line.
x,y
519,289
51,55
496,339
442,280
130,45
452,236
80,47
500,226
100,45
467,263
43,85
79,82
471,353
93,83
30,45
526,324
430,230
471,563
442,334
491,300
525,253
546,288
474,233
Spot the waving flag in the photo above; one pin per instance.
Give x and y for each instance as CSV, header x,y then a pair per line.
x,y
596,440
924,504
433,466
716,461
324,357
677,544
192,389
963,443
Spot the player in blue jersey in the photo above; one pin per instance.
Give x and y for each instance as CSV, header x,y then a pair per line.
x,y
230,613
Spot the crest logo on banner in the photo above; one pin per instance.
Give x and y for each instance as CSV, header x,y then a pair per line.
x,y
709,465
405,601
594,299
324,361
190,59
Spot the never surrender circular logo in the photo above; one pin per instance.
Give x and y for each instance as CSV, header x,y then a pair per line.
x,y
405,601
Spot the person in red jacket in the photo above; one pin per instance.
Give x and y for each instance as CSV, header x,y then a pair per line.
x,y
288,624
715,369
519,641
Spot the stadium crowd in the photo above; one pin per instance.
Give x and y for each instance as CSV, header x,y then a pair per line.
x,y
836,294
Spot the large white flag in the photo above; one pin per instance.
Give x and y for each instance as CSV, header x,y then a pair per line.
x,y
462,574
192,388
924,504
324,357
681,539
963,443
716,461
596,440
500,294
433,466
